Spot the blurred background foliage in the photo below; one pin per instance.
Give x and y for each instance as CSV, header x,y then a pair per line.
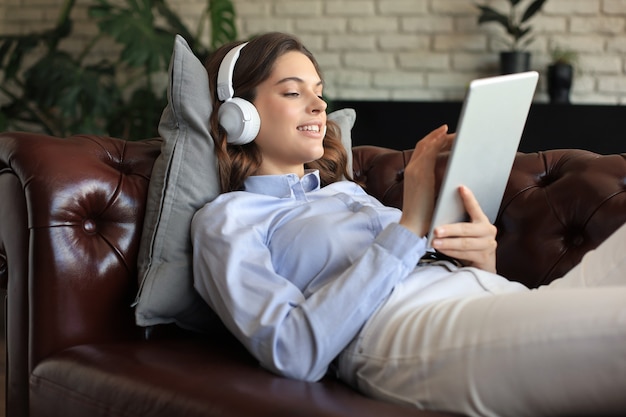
x,y
59,93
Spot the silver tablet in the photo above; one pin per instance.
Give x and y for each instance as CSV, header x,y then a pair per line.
x,y
490,127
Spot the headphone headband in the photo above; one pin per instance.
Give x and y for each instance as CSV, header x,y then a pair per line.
x,y
237,116
225,88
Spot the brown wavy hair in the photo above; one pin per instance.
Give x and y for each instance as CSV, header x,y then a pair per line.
x,y
255,64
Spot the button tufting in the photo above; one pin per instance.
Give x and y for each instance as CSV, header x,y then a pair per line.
x,y
546,179
575,237
89,225
577,240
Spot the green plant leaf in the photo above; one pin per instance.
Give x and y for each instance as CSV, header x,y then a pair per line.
x,y
138,118
13,49
222,18
533,8
512,23
80,98
526,42
174,22
490,14
144,43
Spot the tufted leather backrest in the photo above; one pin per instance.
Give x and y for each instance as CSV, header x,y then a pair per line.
x,y
558,205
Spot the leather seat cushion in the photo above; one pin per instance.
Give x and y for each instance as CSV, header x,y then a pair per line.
x,y
182,377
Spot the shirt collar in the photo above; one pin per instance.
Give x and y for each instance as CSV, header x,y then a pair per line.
x,y
283,186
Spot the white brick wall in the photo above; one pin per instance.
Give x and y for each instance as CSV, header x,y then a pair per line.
x,y
408,49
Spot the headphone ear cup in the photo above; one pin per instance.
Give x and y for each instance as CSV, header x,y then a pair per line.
x,y
240,119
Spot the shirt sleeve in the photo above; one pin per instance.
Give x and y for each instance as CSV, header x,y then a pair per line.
x,y
289,334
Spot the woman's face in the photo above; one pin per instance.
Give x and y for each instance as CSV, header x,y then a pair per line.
x,y
293,116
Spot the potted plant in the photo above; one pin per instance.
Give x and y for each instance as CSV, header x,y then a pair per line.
x,y
561,75
46,88
518,32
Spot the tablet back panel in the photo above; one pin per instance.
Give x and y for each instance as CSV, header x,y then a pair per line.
x,y
489,131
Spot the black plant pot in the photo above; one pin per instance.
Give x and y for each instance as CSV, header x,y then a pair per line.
x,y
560,77
514,61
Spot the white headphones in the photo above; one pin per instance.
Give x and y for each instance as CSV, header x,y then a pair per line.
x,y
236,115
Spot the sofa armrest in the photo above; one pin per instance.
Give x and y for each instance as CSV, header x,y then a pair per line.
x,y
558,204
14,263
69,235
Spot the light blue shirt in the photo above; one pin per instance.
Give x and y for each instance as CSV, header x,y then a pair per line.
x,y
294,270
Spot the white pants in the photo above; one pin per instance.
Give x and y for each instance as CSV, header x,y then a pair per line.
x,y
495,348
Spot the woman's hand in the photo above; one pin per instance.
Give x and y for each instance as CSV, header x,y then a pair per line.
x,y
474,242
419,181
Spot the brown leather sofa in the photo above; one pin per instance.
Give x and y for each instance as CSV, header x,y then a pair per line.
x,y
71,214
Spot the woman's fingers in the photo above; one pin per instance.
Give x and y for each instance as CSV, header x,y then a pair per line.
x,y
473,242
478,225
419,180
437,141
472,206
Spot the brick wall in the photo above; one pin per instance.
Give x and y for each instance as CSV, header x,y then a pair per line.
x,y
431,49
411,49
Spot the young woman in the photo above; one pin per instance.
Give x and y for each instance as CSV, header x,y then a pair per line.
x,y
312,274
